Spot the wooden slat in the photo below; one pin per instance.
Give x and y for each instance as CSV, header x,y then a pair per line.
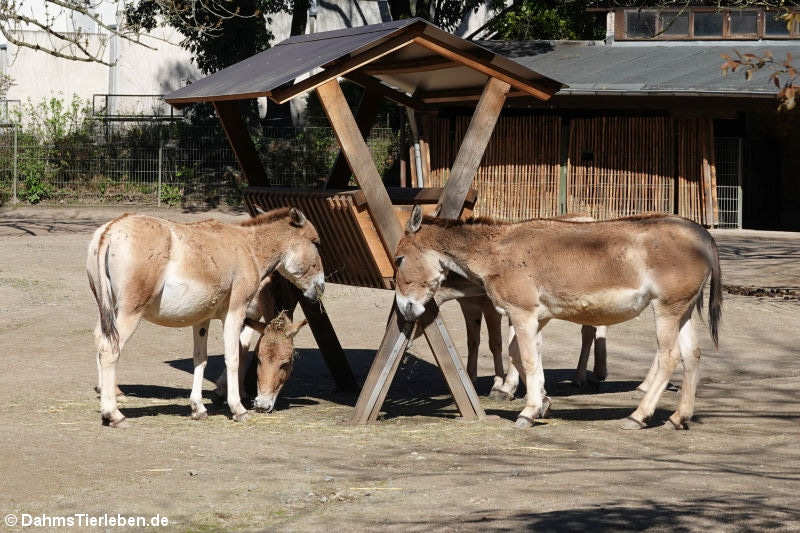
x,y
403,66
361,163
387,92
365,118
230,116
472,148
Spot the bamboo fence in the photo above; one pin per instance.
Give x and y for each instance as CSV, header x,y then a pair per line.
x,y
616,165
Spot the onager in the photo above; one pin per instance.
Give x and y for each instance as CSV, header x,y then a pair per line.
x,y
179,275
275,351
596,273
475,307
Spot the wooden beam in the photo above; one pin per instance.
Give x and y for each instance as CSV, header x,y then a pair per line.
x,y
541,89
457,95
328,343
230,115
360,160
405,66
365,118
342,68
472,148
387,92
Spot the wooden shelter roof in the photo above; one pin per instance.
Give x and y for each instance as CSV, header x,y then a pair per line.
x,y
410,61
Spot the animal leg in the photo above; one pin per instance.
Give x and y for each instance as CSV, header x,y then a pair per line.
x,y
667,327
200,355
527,328
511,382
472,321
587,338
108,355
600,372
247,343
494,325
690,355
645,385
97,335
231,331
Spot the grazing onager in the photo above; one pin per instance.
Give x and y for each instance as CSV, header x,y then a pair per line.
x,y
179,275
597,273
275,351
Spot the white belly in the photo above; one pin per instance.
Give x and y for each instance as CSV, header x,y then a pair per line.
x,y
600,308
184,302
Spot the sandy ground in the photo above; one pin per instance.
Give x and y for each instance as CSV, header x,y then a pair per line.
x,y
420,468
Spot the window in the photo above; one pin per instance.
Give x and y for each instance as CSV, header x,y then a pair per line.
x,y
744,23
640,24
774,25
708,24
674,23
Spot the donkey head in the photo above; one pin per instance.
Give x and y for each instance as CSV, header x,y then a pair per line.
x,y
419,270
276,354
301,263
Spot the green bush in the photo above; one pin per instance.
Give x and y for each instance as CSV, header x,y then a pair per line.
x,y
171,194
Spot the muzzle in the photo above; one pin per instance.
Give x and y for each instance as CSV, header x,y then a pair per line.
x,y
264,403
316,289
410,309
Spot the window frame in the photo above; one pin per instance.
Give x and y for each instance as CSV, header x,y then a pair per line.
x,y
621,26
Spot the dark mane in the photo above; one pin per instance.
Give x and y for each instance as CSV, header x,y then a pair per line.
x,y
269,216
447,223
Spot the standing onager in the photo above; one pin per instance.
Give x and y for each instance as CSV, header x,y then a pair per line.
x,y
475,307
599,273
179,275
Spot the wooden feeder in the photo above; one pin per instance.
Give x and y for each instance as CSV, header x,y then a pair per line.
x,y
416,65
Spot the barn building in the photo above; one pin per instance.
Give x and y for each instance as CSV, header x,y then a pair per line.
x,y
647,122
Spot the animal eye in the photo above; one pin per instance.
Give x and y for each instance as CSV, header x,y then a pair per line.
x,y
286,366
398,260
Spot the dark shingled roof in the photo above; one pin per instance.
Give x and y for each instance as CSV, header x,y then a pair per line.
x,y
685,69
267,71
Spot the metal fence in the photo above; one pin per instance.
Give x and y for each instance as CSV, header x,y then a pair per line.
x,y
728,155
157,163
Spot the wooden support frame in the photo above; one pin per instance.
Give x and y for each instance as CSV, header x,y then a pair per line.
x,y
230,115
365,118
472,148
398,332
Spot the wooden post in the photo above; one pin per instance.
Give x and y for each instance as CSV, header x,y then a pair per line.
x,y
472,148
365,118
329,345
398,331
360,160
230,115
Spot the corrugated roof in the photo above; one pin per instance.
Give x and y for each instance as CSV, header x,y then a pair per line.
x,y
591,67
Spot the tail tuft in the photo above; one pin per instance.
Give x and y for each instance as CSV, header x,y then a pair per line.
x,y
715,296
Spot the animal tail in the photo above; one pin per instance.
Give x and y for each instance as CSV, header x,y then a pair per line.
x,y
100,282
715,295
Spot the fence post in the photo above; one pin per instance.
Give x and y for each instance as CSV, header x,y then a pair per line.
x,y
14,199
160,151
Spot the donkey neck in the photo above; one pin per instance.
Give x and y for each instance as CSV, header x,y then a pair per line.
x,y
269,242
465,245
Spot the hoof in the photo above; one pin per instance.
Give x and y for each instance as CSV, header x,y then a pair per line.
x,y
497,394
120,423
199,415
523,422
680,424
631,423
242,417
545,410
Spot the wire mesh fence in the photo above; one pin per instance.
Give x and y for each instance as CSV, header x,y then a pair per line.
x,y
164,163
728,156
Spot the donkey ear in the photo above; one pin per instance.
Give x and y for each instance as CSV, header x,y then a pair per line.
x,y
255,324
415,221
293,329
296,217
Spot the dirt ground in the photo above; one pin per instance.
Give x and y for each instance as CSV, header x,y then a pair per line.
x,y
420,468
